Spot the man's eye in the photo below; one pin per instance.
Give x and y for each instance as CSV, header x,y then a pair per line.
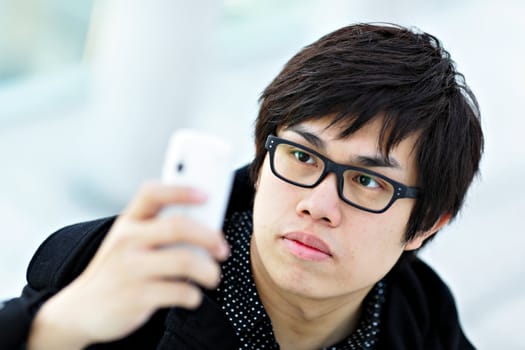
x,y
367,181
303,157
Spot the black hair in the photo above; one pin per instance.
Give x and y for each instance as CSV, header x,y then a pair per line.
x,y
365,71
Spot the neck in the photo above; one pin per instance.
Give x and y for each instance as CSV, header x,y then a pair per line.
x,y
302,322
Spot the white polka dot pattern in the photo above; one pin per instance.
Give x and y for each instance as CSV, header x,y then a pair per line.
x,y
240,301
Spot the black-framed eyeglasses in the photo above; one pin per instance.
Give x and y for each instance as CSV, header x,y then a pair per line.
x,y
359,187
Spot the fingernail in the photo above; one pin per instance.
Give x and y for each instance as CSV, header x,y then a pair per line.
x,y
224,250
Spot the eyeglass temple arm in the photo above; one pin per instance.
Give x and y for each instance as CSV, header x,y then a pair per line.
x,y
411,192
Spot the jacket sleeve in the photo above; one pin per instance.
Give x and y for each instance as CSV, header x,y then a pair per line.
x,y
59,260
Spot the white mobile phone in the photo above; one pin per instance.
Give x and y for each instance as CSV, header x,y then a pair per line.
x,y
203,161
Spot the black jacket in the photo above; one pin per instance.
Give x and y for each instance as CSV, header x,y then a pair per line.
x,y
419,312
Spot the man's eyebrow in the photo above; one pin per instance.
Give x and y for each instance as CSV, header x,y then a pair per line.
x,y
311,138
377,161
363,161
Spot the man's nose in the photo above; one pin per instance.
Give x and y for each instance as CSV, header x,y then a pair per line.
x,y
322,202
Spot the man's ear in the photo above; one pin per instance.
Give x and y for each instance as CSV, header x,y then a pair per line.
x,y
417,241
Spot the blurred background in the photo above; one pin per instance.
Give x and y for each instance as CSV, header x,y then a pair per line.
x,y
90,91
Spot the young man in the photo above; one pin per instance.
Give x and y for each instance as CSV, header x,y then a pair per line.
x,y
366,144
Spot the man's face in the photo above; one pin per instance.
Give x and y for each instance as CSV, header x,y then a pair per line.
x,y
307,241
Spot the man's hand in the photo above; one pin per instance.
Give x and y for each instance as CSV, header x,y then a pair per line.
x,y
146,262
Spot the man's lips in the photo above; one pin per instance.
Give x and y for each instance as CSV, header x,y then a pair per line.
x,y
308,240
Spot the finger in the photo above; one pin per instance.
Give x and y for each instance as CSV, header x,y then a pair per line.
x,y
182,262
163,293
154,195
173,230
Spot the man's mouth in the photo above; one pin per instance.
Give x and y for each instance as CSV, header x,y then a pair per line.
x,y
306,246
